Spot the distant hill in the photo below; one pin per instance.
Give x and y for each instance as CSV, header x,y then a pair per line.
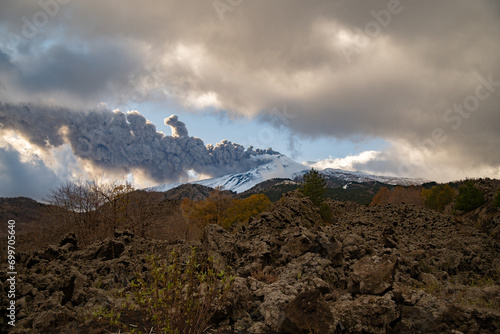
x,y
341,178
361,193
273,188
25,211
339,190
191,191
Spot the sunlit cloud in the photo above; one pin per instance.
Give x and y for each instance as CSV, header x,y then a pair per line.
x,y
349,163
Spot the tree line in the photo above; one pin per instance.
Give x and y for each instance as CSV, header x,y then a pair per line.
x,y
438,197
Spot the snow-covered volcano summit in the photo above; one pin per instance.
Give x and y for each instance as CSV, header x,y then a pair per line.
x,y
274,166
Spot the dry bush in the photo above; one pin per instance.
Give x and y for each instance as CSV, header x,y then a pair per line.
x,y
77,204
94,211
167,222
264,275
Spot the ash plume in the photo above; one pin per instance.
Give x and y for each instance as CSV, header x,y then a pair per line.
x,y
119,141
178,128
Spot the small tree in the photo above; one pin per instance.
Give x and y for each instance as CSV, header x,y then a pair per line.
x,y
77,204
141,207
314,187
117,197
212,210
438,197
469,197
381,196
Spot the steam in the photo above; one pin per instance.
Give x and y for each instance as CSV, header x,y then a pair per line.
x,y
117,141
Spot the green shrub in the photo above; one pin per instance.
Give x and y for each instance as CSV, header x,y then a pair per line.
x,y
174,297
438,197
469,197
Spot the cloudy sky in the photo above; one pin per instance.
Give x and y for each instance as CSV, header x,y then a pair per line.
x,y
408,88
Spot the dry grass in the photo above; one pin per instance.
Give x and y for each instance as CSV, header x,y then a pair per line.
x,y
265,275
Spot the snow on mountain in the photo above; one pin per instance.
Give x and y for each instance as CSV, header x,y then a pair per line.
x,y
360,177
274,166
280,166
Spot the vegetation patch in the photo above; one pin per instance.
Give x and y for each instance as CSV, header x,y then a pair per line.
x,y
469,197
171,297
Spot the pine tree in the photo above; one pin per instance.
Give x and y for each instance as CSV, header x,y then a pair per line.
x,y
314,187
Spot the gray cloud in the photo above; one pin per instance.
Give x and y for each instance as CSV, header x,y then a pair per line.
x,y
125,142
345,68
82,77
23,179
88,74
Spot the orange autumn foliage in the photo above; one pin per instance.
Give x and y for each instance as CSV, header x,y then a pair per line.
x,y
398,195
242,209
222,209
211,210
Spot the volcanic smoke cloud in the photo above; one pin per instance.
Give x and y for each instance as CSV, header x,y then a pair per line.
x,y
115,141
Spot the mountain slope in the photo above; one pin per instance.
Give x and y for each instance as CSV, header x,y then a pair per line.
x,y
276,166
280,166
343,178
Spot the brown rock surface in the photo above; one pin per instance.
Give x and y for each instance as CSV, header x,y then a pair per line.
x,y
385,269
373,275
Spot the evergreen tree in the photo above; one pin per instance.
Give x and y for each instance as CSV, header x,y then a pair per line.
x,y
314,187
469,197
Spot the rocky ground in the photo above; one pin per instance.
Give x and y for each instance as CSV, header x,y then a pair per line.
x,y
382,269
